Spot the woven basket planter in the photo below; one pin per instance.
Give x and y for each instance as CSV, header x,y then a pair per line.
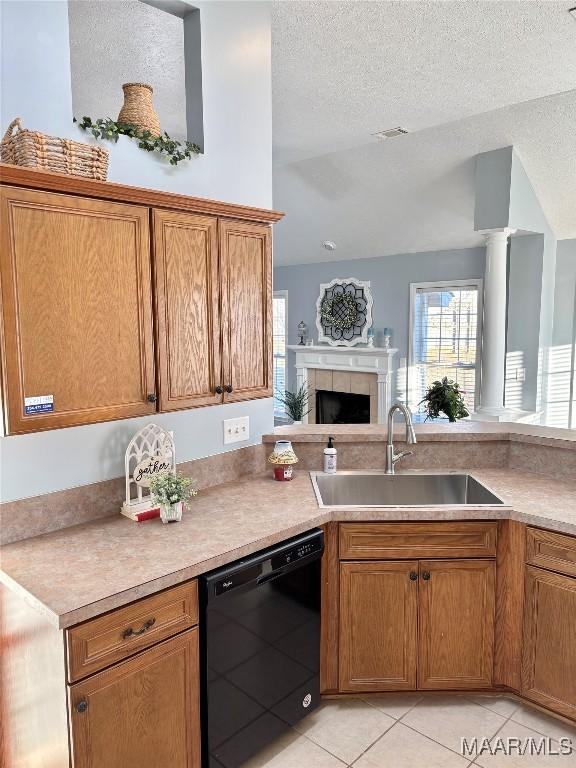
x,y
33,149
138,108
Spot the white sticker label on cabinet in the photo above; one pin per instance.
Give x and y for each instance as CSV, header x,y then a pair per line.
x,y
38,404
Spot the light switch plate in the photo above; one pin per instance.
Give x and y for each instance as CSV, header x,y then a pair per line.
x,y
236,430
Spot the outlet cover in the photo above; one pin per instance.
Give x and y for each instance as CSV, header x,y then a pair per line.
x,y
236,430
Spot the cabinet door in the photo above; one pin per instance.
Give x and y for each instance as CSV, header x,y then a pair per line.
x,y
378,614
246,259
142,713
456,623
549,658
187,307
76,309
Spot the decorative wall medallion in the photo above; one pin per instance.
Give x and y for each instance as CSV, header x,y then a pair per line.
x,y
344,312
150,451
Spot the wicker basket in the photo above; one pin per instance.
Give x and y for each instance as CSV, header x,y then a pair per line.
x,y
37,150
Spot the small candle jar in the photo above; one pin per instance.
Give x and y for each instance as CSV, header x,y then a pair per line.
x,y
283,459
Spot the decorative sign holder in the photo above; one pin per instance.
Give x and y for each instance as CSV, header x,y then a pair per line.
x,y
344,312
150,452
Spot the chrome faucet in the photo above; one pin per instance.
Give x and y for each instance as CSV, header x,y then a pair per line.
x,y
391,457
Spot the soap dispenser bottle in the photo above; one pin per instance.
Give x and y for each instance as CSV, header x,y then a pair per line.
x,y
330,457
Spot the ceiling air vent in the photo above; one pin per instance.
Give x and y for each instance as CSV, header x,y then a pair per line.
x,y
572,12
390,133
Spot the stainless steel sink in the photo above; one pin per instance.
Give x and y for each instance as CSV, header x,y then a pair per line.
x,y
357,489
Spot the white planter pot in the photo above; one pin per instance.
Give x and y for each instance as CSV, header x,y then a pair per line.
x,y
171,513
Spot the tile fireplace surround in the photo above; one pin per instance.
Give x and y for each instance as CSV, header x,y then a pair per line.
x,y
342,381
359,370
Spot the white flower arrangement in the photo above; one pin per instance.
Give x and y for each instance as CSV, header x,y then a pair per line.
x,y
168,488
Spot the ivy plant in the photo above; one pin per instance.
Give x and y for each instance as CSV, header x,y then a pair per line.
x,y
106,128
444,397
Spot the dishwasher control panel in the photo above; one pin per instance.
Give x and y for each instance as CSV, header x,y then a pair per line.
x,y
265,566
296,553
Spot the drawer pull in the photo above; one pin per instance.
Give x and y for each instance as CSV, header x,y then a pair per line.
x,y
413,576
82,706
426,575
134,632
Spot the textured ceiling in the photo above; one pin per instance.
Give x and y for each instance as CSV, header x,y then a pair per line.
x,y
416,192
464,77
344,70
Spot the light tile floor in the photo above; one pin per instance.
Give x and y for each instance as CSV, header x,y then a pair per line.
x,y
414,731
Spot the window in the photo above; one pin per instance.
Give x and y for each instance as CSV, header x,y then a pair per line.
x,y
445,319
279,329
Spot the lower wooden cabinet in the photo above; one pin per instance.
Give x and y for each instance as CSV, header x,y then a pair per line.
x,y
549,658
456,623
416,624
378,620
141,713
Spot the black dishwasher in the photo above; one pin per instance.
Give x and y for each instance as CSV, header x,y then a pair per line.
x,y
260,647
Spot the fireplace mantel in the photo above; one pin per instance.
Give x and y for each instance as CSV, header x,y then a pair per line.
x,y
374,360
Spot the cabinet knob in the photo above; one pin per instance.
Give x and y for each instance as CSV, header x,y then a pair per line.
x,y
219,390
228,388
151,398
426,575
82,706
413,575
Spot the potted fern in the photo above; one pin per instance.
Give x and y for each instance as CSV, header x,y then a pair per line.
x,y
445,397
170,490
296,403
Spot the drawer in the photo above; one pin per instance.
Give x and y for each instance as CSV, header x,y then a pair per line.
x,y
381,541
551,550
103,641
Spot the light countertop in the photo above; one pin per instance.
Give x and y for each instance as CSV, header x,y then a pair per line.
x,y
466,430
80,572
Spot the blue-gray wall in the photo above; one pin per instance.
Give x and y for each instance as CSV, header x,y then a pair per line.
x,y
236,167
523,321
563,354
390,278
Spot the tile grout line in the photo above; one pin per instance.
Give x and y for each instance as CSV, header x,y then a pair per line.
x,y
303,736
475,762
395,723
450,748
367,748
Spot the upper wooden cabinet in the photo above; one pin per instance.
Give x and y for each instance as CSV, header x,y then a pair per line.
x,y
246,265
87,290
213,284
187,281
76,309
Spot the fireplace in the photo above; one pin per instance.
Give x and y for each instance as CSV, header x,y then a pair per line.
x,y
365,371
342,407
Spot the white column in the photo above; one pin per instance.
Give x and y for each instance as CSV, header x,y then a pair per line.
x,y
302,380
384,396
494,325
